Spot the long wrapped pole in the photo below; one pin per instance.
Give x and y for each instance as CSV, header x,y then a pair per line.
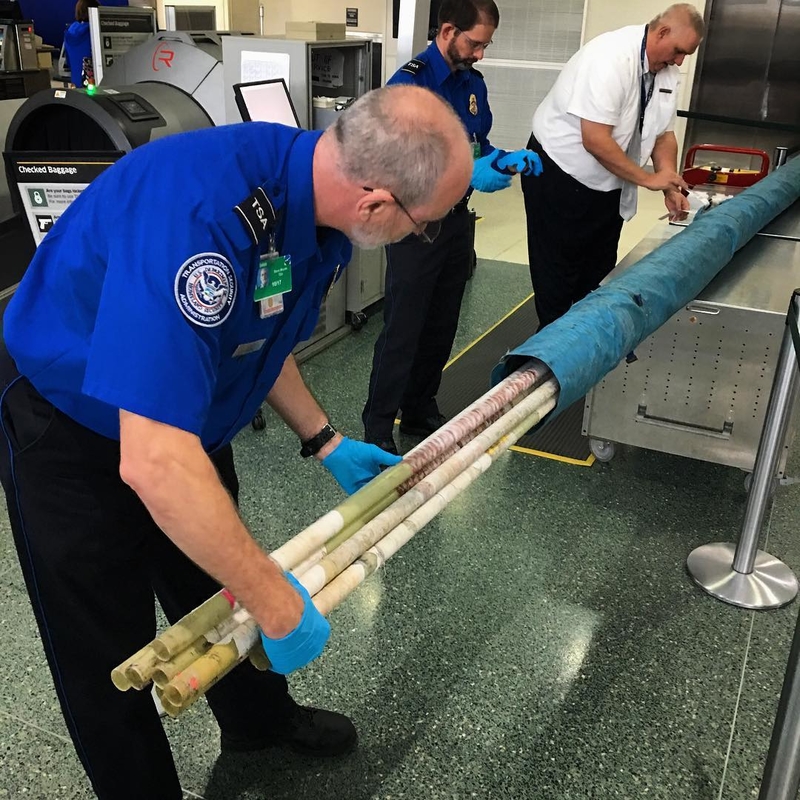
x,y
207,670
344,555
305,543
335,592
597,333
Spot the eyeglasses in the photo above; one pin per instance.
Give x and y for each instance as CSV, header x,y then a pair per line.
x,y
427,231
476,46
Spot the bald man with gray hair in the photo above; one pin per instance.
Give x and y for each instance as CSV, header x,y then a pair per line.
x,y
611,110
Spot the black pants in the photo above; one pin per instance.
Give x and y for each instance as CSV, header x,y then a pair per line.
x,y
93,558
573,234
424,287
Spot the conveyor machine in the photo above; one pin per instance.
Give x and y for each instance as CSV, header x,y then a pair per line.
x,y
60,139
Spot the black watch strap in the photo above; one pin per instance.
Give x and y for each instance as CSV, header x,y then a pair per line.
x,y
313,445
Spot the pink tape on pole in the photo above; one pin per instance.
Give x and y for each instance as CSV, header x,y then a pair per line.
x,y
229,597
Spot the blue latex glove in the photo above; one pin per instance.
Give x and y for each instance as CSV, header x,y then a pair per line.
x,y
304,643
524,162
354,464
485,175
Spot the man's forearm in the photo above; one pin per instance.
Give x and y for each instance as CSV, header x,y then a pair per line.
x,y
665,152
296,406
598,141
179,486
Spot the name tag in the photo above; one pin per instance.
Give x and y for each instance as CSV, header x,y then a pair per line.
x,y
274,276
250,347
665,91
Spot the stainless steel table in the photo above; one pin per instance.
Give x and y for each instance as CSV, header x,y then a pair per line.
x,y
700,384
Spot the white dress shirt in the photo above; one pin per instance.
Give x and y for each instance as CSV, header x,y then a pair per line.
x,y
602,83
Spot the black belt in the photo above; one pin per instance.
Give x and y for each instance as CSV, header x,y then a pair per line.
x,y
461,205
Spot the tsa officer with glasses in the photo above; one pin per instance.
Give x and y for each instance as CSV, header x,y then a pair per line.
x,y
427,272
132,354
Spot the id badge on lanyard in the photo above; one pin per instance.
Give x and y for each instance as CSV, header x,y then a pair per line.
x,y
273,281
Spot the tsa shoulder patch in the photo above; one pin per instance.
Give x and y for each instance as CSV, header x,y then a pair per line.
x,y
258,215
413,67
205,289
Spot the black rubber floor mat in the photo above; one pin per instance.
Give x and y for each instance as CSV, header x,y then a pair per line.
x,y
467,377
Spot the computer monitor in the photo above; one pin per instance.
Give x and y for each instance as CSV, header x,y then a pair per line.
x,y
266,101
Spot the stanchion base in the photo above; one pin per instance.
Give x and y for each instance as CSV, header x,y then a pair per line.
x,y
771,584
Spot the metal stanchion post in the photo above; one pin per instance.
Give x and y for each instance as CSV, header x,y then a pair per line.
x,y
781,778
746,576
779,157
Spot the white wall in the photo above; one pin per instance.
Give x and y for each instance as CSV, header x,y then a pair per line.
x,y
371,13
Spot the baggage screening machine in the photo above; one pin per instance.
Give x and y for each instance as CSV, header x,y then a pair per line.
x,y
61,139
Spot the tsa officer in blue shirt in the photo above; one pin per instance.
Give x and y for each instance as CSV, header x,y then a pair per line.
x,y
78,44
426,274
140,340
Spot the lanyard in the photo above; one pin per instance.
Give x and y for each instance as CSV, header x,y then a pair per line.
x,y
646,94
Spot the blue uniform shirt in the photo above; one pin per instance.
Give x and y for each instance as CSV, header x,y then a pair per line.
x,y
78,44
465,90
141,296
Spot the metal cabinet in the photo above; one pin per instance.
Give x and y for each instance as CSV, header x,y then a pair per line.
x,y
330,73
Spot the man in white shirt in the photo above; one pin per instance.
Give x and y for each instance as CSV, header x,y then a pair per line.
x,y
611,109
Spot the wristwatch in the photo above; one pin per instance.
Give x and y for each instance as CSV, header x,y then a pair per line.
x,y
313,445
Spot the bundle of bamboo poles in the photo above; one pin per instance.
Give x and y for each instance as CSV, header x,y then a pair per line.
x,y
335,554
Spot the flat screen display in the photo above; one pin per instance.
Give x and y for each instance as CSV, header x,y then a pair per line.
x,y
266,101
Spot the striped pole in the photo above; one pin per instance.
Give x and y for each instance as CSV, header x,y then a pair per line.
x,y
189,658
429,498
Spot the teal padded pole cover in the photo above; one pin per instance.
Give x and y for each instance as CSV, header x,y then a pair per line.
x,y
598,332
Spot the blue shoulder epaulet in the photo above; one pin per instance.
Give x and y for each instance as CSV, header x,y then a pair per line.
x,y
413,67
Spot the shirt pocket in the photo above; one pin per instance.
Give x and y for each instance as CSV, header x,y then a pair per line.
x,y
665,110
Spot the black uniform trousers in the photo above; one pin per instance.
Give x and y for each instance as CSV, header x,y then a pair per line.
x,y
92,559
424,287
573,234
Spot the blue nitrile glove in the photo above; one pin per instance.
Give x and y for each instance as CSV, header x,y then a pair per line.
x,y
354,464
304,643
523,162
485,175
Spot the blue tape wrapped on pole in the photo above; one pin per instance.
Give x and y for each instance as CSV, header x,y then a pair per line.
x,y
598,332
